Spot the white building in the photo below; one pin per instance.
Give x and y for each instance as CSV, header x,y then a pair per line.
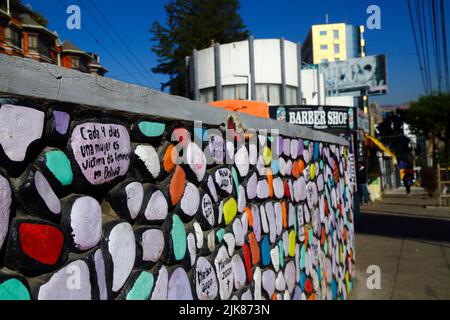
x,y
266,70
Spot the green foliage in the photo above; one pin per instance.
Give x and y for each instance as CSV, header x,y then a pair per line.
x,y
37,16
193,24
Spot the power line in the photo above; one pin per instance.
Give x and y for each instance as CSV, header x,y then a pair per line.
x,y
444,38
103,47
146,73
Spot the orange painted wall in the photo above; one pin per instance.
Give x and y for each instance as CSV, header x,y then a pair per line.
x,y
66,62
254,108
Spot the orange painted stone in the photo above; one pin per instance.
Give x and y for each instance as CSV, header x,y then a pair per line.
x,y
285,215
254,249
169,159
301,166
249,214
177,185
270,182
295,171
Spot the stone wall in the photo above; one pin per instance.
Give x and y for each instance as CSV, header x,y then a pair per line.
x,y
105,202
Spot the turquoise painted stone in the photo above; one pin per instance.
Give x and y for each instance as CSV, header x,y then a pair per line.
x,y
234,174
321,164
316,152
281,249
265,251
311,236
13,290
275,167
142,287
303,258
295,221
178,238
306,143
302,281
59,165
333,287
220,234
152,129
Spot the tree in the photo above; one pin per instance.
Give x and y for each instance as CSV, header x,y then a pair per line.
x,y
193,24
430,117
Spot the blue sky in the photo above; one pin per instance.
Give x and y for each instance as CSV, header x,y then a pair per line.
x,y
290,19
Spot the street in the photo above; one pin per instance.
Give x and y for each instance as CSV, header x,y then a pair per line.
x,y
410,244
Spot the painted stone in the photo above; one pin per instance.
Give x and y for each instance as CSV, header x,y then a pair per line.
x,y
278,188
252,154
212,188
225,275
177,185
102,151
5,208
101,275
278,208
238,232
275,258
135,197
149,157
196,160
127,199
192,249
20,127
206,285
216,149
161,285
157,208
181,136
58,164
121,245
289,276
254,249
252,187
230,210
142,287
268,282
199,235
83,218
13,289
211,239
151,244
270,213
179,287
179,240
264,222
61,122
152,129
257,282
208,212
190,202
242,200
35,246
230,242
223,179
168,158
70,283
262,190
256,223
239,274
220,233
248,262
241,161
265,252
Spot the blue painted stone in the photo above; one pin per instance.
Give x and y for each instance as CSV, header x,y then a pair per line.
x,y
275,167
302,281
333,287
265,251
316,152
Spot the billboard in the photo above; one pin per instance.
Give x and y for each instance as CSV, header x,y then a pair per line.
x,y
325,118
367,73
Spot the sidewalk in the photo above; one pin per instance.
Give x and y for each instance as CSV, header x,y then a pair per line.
x,y
411,245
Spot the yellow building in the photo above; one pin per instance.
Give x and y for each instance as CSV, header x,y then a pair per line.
x,y
333,42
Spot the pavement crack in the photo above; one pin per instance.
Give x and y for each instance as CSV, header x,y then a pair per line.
x,y
397,271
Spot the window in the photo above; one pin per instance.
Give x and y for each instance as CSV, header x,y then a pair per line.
x,y
336,34
323,33
235,92
324,47
270,93
207,95
76,63
15,37
291,95
337,49
44,46
33,42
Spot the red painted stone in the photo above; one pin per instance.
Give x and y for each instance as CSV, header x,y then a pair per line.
x,y
42,243
308,286
287,191
248,262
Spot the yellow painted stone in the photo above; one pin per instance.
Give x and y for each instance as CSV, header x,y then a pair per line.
x,y
230,210
313,171
341,260
267,155
292,238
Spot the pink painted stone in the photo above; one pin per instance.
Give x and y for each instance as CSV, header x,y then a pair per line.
x,y
102,151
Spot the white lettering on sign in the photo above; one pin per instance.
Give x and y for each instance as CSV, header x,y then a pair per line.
x,y
319,119
102,151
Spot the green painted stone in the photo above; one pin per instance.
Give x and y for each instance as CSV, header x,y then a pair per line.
x,y
13,290
220,234
178,238
235,179
142,287
59,165
281,249
230,210
152,129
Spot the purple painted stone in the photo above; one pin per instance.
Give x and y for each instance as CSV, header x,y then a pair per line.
x,y
62,121
301,146
287,147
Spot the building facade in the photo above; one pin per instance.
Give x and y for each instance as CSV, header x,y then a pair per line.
x,y
265,70
22,35
333,42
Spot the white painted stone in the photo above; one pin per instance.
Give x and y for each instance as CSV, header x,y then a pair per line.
x,y
262,189
252,185
268,282
278,217
244,221
70,283
247,296
101,274
264,222
86,223
161,285
206,285
256,223
279,297
230,149
297,261
212,241
241,160
152,245
238,232
270,213
135,198
239,272
225,275
294,149
224,180
220,218
212,188
190,201
289,276
278,188
280,282
286,243
19,127
257,278
5,208
253,154
230,242
196,160
208,209
198,235
302,188
179,287
275,258
288,169
216,148
291,215
287,296
262,140
47,194
191,246
157,207
242,199
301,223
282,166
261,166
122,247
150,157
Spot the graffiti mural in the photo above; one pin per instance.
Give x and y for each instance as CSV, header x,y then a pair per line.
x,y
98,205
